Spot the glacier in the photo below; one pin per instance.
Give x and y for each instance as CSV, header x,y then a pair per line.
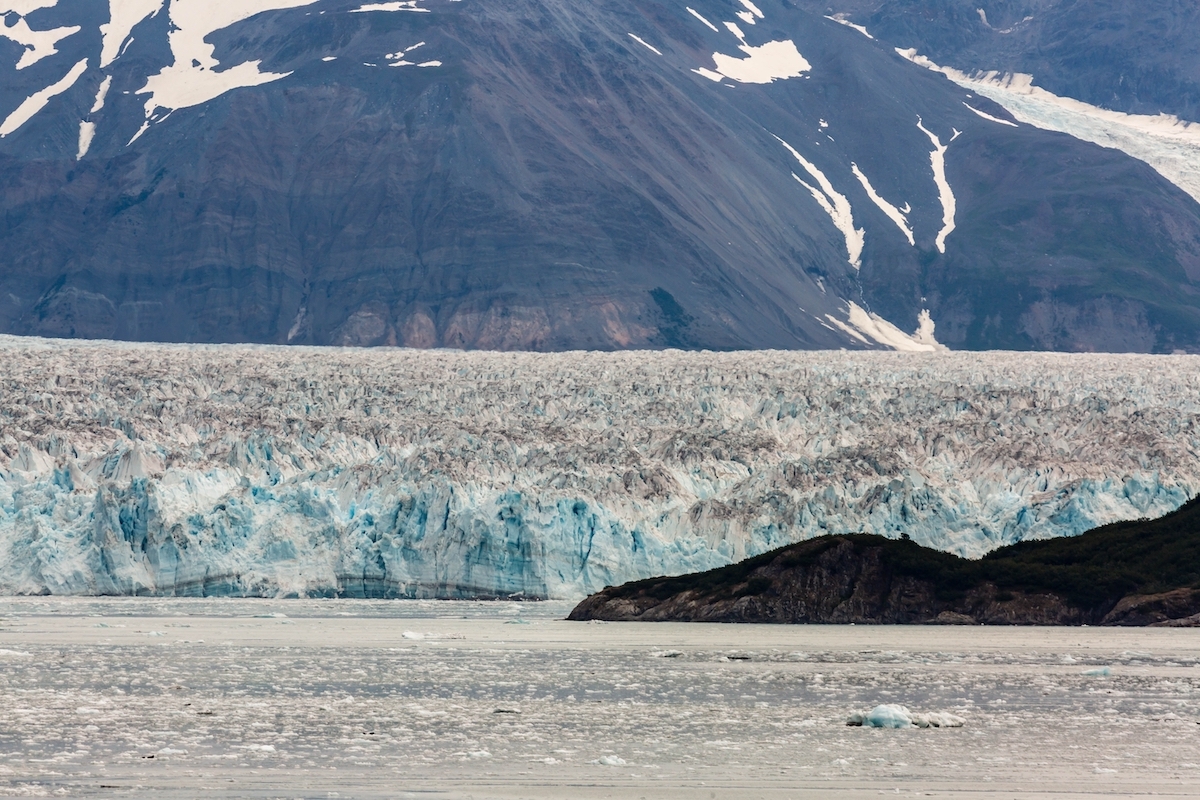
x,y
132,469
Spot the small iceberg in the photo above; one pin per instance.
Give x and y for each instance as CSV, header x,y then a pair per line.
x,y
897,716
1099,672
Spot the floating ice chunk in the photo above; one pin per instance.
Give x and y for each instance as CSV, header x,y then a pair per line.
x,y
937,719
412,635
937,160
611,761
14,654
841,20
666,653
38,100
37,44
894,214
885,716
835,204
897,716
643,43
1099,672
479,754
171,751
124,16
763,64
697,15
989,117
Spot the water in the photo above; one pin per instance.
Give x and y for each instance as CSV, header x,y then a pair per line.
x,y
310,698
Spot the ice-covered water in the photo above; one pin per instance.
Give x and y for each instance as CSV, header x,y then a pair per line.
x,y
180,698
150,469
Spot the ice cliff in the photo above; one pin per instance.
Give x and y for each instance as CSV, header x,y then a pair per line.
x,y
146,469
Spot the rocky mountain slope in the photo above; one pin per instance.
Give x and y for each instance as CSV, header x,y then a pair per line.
x,y
1136,58
551,175
1131,573
182,470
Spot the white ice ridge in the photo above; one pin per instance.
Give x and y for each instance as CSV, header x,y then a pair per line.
x,y
193,77
870,328
1171,146
698,16
989,117
124,15
894,214
37,44
938,160
403,5
265,470
841,20
835,204
38,100
643,43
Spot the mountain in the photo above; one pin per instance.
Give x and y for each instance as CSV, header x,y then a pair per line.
x,y
284,471
550,175
1134,58
1131,573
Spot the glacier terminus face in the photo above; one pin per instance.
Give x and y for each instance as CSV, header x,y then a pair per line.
x,y
273,471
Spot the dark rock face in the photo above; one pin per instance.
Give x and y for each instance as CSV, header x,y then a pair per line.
x,y
836,580
547,182
1136,58
1145,572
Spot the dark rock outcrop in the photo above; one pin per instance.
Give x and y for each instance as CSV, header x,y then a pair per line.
x,y
1116,575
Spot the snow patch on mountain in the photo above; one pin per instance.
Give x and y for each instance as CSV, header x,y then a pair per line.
x,y
834,204
870,328
38,100
37,44
269,470
193,78
645,44
1171,146
989,117
700,17
841,20
945,194
124,16
894,214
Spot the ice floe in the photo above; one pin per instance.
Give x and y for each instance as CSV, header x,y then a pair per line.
x,y
895,716
835,205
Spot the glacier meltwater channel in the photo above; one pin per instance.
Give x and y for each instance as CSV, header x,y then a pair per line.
x,y
178,470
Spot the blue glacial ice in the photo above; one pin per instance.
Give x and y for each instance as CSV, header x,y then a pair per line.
x,y
176,470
